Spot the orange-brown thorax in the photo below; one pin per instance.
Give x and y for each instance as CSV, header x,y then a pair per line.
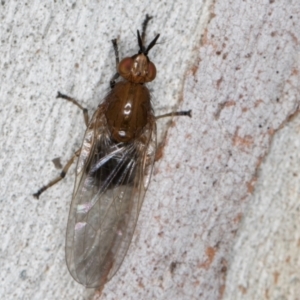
x,y
128,110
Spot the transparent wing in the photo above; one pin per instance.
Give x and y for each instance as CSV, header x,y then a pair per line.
x,y
111,181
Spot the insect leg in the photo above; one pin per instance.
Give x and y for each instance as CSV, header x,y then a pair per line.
x,y
176,113
84,110
116,49
144,27
115,77
59,178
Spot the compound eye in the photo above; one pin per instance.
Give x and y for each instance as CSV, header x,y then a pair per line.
x,y
151,72
125,66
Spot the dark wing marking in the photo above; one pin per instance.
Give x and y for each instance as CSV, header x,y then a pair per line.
x,y
111,181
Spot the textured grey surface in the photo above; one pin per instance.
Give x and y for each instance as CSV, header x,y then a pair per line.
x,y
265,256
235,64
51,46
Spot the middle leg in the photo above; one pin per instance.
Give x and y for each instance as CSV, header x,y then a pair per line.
x,y
84,110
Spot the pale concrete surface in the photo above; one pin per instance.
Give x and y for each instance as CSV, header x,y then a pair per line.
x,y
235,64
265,258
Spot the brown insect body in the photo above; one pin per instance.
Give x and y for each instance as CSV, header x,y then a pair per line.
x,y
113,171
128,110
129,107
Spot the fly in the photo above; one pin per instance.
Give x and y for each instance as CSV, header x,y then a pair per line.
x,y
113,170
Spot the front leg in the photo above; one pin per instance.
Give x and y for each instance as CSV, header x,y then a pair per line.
x,y
116,76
